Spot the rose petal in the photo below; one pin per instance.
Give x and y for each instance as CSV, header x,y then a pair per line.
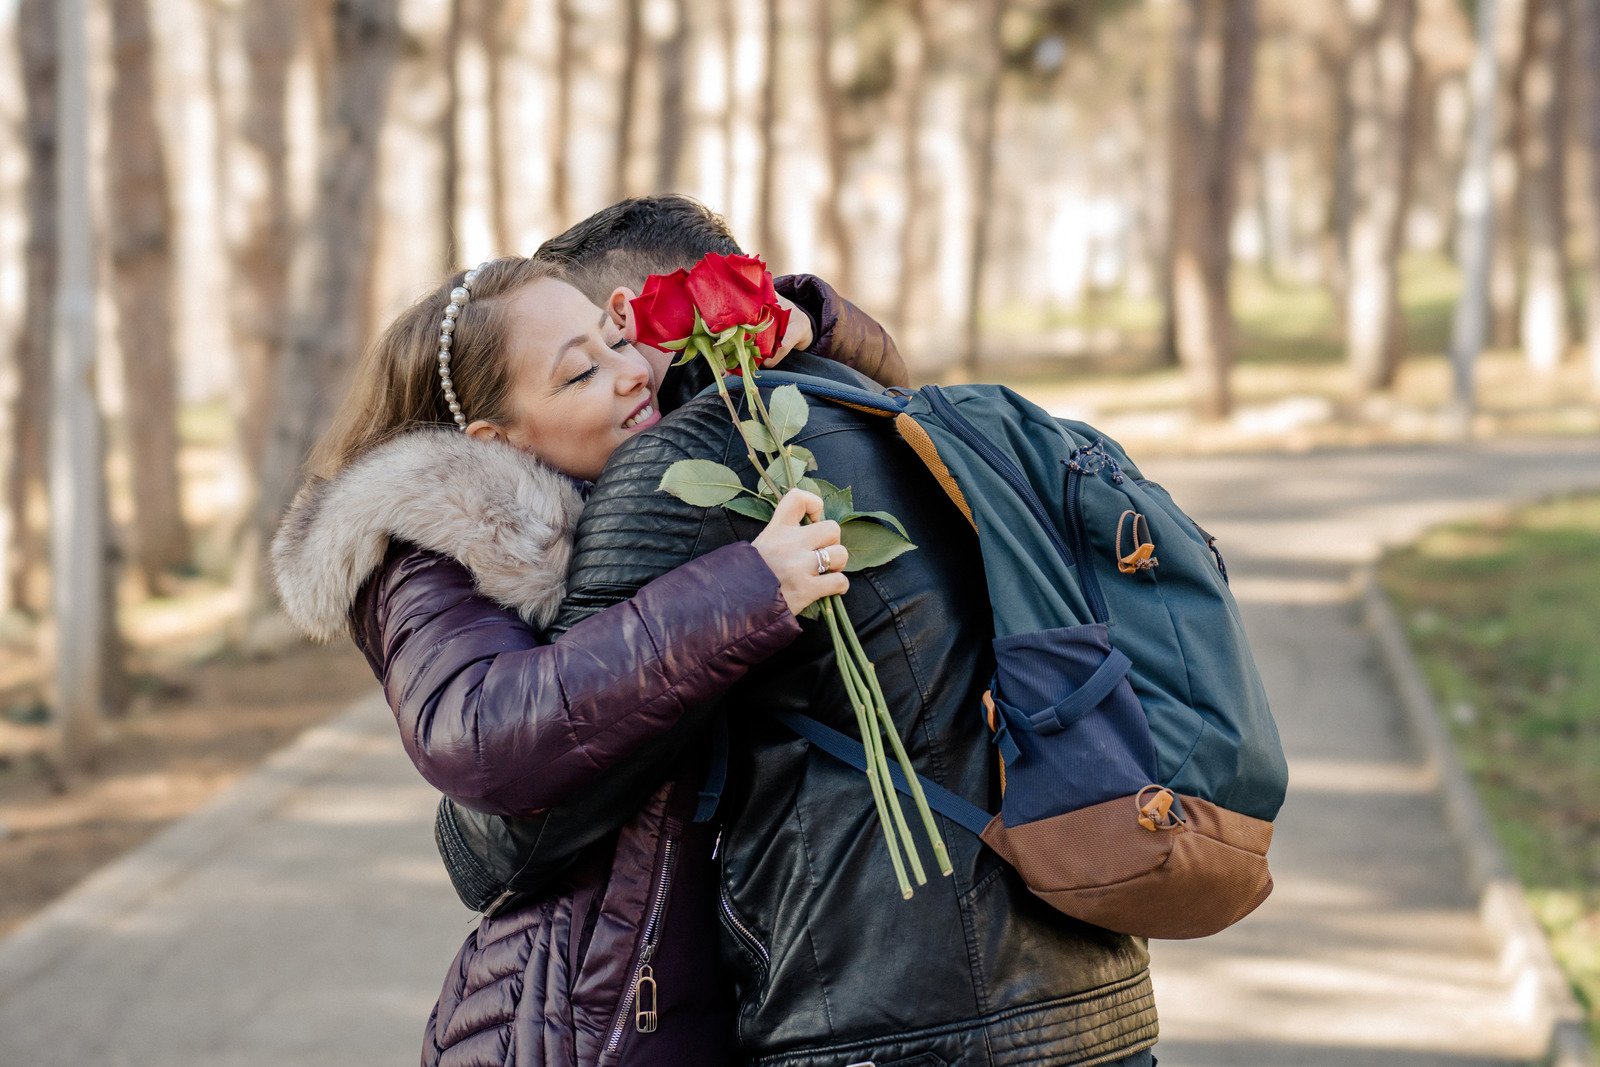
x,y
727,292
664,311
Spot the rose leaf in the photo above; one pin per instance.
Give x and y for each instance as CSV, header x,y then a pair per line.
x,y
701,482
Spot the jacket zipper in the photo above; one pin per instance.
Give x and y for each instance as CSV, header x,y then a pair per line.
x,y
646,1019
743,931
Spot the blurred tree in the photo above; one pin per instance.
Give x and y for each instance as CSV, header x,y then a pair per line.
x,y
1505,278
766,221
983,120
1477,213
1383,98
1213,74
27,555
1333,70
83,614
139,232
1587,24
673,60
830,106
629,106
561,122
493,24
331,275
1545,309
911,74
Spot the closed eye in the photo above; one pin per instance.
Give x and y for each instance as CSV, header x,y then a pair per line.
x,y
620,345
585,376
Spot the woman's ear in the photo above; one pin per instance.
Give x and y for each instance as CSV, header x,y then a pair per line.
x,y
484,430
620,307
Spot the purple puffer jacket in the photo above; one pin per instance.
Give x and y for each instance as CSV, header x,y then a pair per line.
x,y
444,555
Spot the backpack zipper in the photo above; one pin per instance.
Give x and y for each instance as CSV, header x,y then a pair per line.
x,y
957,424
643,974
1080,544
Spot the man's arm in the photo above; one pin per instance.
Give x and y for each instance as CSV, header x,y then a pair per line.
x,y
843,332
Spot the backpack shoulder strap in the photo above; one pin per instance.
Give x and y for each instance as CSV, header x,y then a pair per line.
x,y
957,809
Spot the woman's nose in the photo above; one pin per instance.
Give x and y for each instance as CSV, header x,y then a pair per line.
x,y
635,371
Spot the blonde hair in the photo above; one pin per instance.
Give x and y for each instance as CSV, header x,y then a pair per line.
x,y
396,386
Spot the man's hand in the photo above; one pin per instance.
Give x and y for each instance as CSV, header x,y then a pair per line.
x,y
796,337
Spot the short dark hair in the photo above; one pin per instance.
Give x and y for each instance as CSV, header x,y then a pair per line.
x,y
635,238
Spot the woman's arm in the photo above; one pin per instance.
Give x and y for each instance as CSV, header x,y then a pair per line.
x,y
506,724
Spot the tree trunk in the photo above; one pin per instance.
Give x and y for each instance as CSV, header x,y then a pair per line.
x,y
1334,65
1211,92
766,227
833,149
1477,206
431,54
330,285
911,58
673,58
728,27
78,534
493,26
1588,12
1382,95
1544,138
1505,278
561,126
27,555
139,224
627,110
982,133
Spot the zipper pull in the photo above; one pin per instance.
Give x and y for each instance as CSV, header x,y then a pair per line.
x,y
645,1018
717,844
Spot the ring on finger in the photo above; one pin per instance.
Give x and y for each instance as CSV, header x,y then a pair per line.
x,y
824,561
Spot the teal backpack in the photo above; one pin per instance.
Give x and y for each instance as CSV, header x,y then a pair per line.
x,y
1140,767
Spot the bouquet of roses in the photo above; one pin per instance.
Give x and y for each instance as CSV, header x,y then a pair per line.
x,y
726,312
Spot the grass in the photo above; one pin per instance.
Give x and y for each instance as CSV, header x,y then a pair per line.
x,y
1503,617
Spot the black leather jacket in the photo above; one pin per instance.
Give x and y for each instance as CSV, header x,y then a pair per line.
x,y
831,966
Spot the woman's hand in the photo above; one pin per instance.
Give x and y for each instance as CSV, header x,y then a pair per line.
x,y
796,553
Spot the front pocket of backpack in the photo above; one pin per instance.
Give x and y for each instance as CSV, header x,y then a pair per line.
x,y
1076,731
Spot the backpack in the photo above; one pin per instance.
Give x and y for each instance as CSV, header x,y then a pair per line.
x,y
1140,767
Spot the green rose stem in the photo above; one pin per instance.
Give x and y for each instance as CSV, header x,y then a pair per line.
x,y
941,855
875,777
850,668
857,672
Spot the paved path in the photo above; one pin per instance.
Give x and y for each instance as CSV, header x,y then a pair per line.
x,y
302,917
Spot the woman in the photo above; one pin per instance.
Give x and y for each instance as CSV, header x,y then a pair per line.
x,y
436,529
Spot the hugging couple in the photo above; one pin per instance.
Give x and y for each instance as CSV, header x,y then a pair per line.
x,y
573,655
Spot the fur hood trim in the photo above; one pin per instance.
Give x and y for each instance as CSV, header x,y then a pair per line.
x,y
504,515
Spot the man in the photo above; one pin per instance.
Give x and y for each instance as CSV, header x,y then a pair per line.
x,y
830,965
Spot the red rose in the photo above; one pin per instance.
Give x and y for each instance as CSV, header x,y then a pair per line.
x,y
664,312
767,340
731,290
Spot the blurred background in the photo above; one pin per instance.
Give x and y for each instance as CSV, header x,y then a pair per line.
x,y
1208,226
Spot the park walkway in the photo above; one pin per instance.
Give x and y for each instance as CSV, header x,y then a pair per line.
x,y
302,918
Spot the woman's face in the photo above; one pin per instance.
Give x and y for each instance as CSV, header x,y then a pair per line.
x,y
578,388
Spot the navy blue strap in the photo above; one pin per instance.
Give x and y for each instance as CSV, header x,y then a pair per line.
x,y
1000,735
716,774
811,385
957,809
1080,701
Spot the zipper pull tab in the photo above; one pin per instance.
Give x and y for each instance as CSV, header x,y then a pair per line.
x,y
717,844
645,1019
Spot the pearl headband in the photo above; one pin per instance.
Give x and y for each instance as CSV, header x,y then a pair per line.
x,y
447,329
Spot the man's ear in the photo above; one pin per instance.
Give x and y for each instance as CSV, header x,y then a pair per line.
x,y
619,305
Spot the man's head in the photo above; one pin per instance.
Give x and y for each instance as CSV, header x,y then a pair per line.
x,y
608,256
620,246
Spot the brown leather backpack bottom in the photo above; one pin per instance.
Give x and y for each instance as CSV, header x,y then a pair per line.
x,y
1133,866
